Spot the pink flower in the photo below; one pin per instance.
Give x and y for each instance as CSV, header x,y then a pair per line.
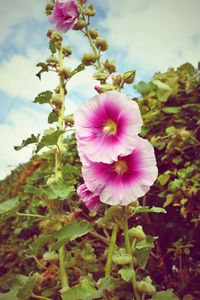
x,y
91,201
64,14
107,126
123,181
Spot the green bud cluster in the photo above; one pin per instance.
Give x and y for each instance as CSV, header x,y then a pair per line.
x,y
88,59
137,233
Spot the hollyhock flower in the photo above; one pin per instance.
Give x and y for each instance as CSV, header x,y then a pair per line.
x,y
107,126
91,201
64,15
124,180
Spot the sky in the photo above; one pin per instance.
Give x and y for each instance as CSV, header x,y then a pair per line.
x,y
145,35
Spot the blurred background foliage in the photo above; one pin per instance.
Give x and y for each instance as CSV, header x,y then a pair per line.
x,y
170,105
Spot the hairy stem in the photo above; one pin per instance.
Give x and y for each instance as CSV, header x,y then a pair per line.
x,y
63,273
128,249
111,250
29,215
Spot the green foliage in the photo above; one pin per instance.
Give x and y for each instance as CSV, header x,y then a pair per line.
x,y
165,295
8,208
32,140
147,209
44,97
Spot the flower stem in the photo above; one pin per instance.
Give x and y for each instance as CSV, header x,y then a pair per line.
x,y
111,250
92,43
29,215
63,273
128,249
40,297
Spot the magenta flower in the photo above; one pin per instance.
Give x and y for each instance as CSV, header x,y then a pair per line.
x,y
64,15
91,201
124,180
107,126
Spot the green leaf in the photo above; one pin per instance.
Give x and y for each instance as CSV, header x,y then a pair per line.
x,y
169,200
11,295
70,232
52,118
171,110
145,244
143,88
61,190
49,138
80,68
165,295
164,178
126,274
147,209
8,208
39,243
44,68
26,291
161,85
142,251
31,140
43,97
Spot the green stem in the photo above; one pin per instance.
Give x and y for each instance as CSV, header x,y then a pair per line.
x,y
128,249
58,157
99,236
111,250
92,43
63,273
29,215
40,297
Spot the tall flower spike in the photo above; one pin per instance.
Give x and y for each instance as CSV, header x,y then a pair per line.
x,y
107,126
64,15
124,180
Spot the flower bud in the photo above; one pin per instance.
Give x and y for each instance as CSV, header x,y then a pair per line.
x,y
104,88
52,61
89,12
117,80
79,25
121,258
110,66
101,43
82,1
128,77
67,51
137,232
56,100
65,73
69,120
56,37
50,32
146,287
49,8
93,33
88,59
100,76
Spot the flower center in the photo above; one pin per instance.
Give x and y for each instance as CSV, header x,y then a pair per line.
x,y
110,127
120,167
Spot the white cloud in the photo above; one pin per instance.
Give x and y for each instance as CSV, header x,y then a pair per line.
x,y
155,34
14,12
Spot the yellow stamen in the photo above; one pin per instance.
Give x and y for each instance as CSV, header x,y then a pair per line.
x,y
120,167
110,127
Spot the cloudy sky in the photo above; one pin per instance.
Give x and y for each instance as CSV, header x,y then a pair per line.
x,y
146,35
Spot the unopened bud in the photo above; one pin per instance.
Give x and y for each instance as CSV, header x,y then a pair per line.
x,y
101,43
88,59
52,61
82,1
69,120
137,232
56,100
49,8
89,12
110,66
65,73
50,32
104,88
67,51
93,33
79,25
117,80
146,287
100,76
56,37
128,77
